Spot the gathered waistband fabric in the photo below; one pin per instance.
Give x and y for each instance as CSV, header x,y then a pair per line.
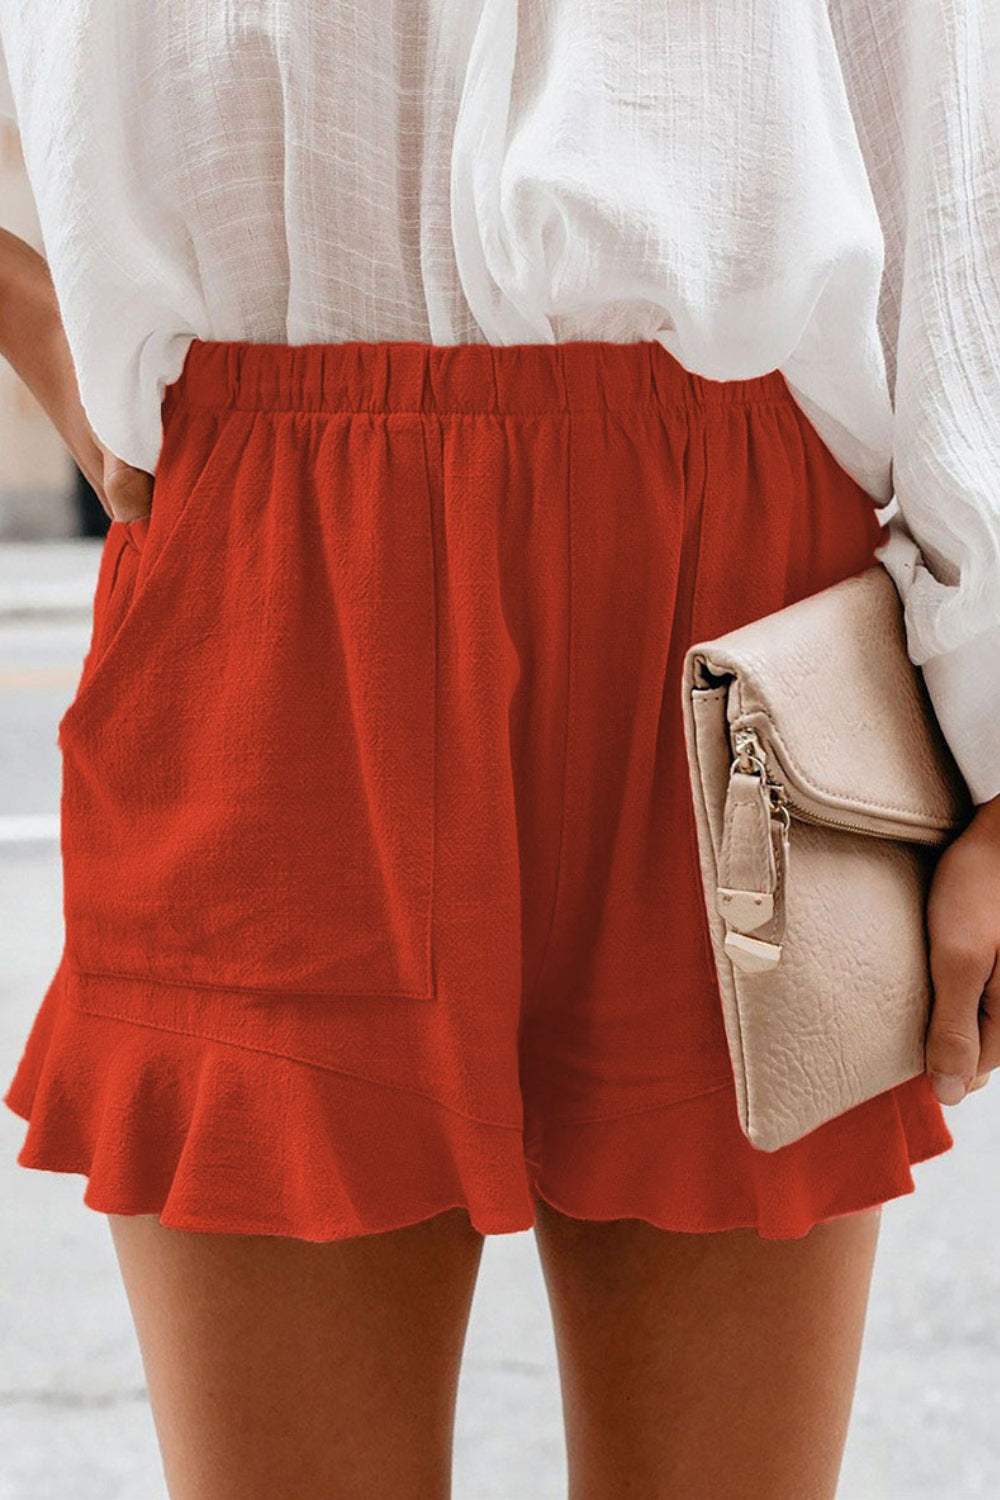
x,y
412,376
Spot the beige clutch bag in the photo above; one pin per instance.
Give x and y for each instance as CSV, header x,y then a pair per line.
x,y
823,793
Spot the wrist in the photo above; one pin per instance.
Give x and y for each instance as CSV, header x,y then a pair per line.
x,y
33,340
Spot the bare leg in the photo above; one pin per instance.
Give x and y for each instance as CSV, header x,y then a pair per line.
x,y
706,1367
284,1370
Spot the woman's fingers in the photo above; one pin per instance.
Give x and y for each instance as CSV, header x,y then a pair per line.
x,y
953,1038
963,919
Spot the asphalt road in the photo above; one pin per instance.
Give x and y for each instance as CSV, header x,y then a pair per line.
x,y
74,1419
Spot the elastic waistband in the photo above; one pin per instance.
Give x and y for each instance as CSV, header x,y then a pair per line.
x,y
411,376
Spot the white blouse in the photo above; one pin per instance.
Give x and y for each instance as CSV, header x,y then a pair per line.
x,y
804,185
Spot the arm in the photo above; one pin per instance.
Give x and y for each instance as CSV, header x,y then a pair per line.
x,y
920,82
32,339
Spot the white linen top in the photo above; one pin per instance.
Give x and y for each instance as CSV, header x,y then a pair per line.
x,y
804,185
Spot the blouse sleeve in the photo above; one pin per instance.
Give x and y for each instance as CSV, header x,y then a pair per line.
x,y
6,97
921,75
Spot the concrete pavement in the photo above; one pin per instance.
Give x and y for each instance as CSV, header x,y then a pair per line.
x,y
47,578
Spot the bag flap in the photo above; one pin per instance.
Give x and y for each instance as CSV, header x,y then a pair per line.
x,y
841,710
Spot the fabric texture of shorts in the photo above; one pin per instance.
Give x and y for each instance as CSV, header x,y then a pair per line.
x,y
379,866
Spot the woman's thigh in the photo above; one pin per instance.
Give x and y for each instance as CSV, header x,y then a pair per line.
x,y
280,1369
709,1367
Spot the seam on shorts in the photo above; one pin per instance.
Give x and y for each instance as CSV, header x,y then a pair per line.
x,y
691,830
248,989
701,502
643,1109
307,1062
432,519
97,646
557,882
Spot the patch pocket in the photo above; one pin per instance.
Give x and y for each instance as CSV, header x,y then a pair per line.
x,y
248,772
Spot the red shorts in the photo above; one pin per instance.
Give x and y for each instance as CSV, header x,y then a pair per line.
x,y
380,876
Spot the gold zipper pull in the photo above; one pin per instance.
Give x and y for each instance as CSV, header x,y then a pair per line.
x,y
753,860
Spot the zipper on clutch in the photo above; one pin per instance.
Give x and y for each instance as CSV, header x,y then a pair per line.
x,y
755,851
751,758
753,859
750,754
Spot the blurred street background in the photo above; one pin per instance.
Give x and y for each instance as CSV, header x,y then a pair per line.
x,y
74,1417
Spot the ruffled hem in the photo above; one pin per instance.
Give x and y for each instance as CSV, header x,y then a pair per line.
x,y
213,1136
690,1168
217,1137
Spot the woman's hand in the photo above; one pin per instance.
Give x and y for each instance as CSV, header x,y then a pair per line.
x,y
32,338
125,493
963,918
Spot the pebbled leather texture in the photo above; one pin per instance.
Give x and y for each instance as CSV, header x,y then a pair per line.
x,y
848,730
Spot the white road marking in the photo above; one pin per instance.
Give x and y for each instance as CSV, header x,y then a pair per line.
x,y
29,828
